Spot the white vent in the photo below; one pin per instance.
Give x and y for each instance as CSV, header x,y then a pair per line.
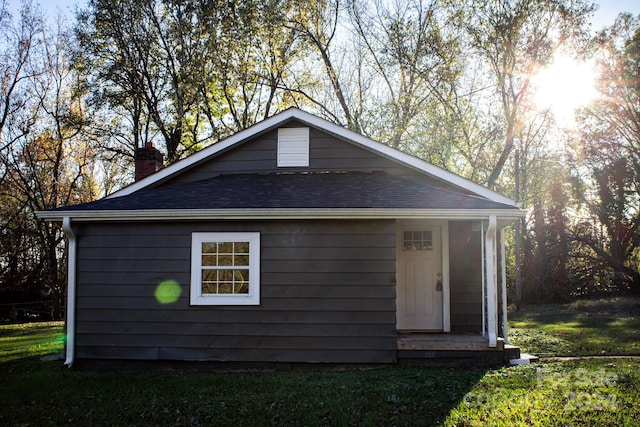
x,y
293,147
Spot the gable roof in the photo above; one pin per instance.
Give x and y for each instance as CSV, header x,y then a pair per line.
x,y
301,194
326,126
298,190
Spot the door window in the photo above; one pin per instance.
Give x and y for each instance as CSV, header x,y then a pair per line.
x,y
417,240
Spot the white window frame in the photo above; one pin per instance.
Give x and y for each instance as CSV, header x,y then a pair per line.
x,y
251,298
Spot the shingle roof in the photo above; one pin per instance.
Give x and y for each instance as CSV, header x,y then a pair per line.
x,y
295,191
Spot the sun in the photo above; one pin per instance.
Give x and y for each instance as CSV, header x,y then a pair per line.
x,y
565,86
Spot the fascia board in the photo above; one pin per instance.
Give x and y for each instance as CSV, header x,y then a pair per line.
x,y
237,214
324,125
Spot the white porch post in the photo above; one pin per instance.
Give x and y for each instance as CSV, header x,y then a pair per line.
x,y
71,291
446,291
492,289
503,277
483,280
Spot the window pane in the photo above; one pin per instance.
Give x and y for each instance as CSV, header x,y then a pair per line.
x,y
209,288
209,248
225,275
241,260
225,260
209,260
242,288
209,276
225,288
417,240
241,247
225,247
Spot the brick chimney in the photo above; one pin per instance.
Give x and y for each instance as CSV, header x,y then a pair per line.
x,y
148,160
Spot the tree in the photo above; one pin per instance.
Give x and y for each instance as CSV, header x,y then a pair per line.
x,y
611,141
516,38
411,60
45,160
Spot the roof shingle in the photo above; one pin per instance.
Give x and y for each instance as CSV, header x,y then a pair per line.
x,y
302,190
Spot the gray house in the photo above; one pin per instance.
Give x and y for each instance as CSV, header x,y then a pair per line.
x,y
293,241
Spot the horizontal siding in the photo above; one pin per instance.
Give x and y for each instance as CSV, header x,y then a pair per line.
x,y
229,315
268,291
259,355
325,285
466,277
319,304
229,329
326,152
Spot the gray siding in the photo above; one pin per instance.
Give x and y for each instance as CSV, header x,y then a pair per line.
x,y
465,277
327,294
326,153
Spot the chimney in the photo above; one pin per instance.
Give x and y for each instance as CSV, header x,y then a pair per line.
x,y
148,160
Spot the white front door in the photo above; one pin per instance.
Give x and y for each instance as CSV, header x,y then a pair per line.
x,y
418,277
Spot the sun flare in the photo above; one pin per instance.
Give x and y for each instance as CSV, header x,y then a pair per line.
x,y
565,86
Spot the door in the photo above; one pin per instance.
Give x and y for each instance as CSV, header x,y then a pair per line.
x,y
418,277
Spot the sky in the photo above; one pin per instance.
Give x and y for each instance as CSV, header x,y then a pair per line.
x,y
609,9
605,15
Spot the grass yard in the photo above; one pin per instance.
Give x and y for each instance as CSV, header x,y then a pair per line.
x,y
608,326
571,393
24,340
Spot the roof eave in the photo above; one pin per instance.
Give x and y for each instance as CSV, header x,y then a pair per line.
x,y
244,214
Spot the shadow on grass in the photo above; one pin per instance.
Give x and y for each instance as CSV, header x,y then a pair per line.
x,y
45,392
38,393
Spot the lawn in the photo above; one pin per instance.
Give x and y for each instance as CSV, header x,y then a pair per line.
x,y
607,326
580,392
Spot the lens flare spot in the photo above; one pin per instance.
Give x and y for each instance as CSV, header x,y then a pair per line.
x,y
168,292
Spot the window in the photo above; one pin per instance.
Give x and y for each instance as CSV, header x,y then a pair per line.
x,y
293,147
417,240
225,269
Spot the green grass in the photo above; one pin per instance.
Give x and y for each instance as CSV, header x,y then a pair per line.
x,y
571,393
609,326
22,340
43,393
576,393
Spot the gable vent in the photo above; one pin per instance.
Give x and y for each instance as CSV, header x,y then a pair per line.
x,y
293,147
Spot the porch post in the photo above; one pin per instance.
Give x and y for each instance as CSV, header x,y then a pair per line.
x,y
446,291
492,291
503,280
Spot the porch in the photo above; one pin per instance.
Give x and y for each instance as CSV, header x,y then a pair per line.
x,y
452,349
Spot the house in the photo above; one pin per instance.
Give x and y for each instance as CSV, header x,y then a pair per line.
x,y
293,241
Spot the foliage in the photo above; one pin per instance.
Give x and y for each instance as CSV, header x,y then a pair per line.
x,y
46,158
187,72
609,240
